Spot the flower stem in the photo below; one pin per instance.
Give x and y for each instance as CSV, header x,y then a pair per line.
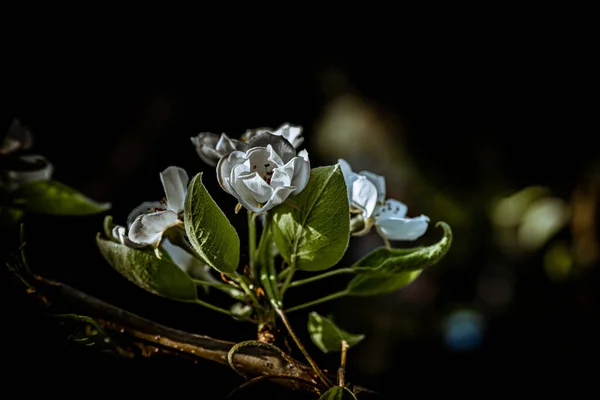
x,y
323,276
245,285
314,366
288,280
333,296
252,244
284,273
214,308
342,368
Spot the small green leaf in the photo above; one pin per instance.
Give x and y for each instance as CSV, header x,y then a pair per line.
x,y
338,393
327,336
52,197
312,229
158,276
209,230
387,270
371,284
392,261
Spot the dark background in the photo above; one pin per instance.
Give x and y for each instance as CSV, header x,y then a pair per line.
x,y
477,122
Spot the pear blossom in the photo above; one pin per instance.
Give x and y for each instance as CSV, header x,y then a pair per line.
x,y
292,133
266,174
212,147
151,219
367,198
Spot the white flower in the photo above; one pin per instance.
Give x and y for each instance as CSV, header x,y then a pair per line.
x,y
265,175
292,133
212,147
150,219
366,194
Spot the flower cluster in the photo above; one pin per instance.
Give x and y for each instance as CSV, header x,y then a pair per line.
x,y
367,198
262,170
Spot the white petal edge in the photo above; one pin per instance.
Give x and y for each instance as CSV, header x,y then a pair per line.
x,y
175,182
378,181
148,228
402,228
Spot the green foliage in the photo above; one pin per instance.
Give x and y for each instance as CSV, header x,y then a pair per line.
x,y
338,393
52,197
312,229
327,336
158,276
208,229
386,270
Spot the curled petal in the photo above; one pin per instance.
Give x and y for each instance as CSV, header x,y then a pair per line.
x,y
292,133
211,147
225,145
301,172
279,196
282,147
257,187
395,228
378,181
364,196
148,228
175,182
205,143
225,166
349,177
391,208
146,207
32,168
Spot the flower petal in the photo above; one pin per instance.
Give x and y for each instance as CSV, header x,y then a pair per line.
x,y
292,133
402,228
34,168
257,187
364,195
349,177
282,147
391,208
148,228
282,176
180,257
301,172
225,166
175,182
378,181
279,196
225,145
205,143
146,207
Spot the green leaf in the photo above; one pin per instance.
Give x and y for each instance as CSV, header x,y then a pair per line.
x,y
338,393
327,336
210,232
371,284
108,226
392,261
387,270
312,229
52,197
158,276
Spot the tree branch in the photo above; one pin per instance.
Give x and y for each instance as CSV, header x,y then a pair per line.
x,y
153,338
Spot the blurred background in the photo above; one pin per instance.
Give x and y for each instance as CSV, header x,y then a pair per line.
x,y
489,142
